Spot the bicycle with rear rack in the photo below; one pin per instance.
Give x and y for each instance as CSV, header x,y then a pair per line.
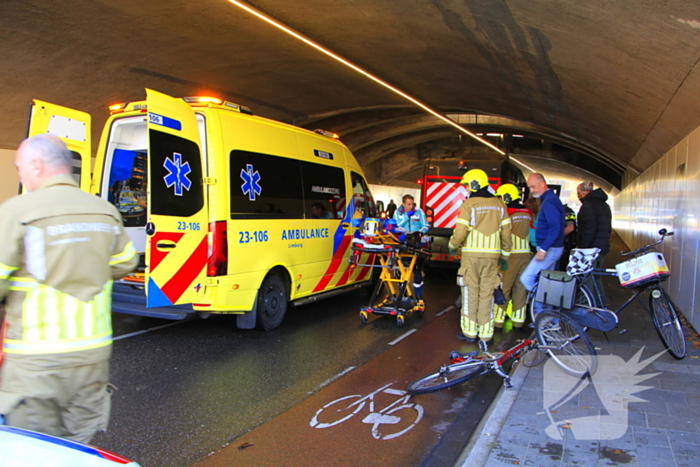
x,y
464,367
642,273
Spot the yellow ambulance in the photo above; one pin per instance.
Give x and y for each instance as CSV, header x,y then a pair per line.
x,y
233,213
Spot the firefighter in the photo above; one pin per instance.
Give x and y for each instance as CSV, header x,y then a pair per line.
x,y
521,221
61,250
483,234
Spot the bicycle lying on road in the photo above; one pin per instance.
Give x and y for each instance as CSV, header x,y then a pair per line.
x,y
464,367
642,272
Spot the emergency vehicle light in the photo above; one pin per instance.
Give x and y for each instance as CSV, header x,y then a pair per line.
x,y
327,133
114,108
202,100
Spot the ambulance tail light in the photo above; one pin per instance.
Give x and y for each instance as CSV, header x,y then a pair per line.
x,y
429,215
217,263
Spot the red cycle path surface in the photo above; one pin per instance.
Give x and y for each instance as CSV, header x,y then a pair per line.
x,y
290,440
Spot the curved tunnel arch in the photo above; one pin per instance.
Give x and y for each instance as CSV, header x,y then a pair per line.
x,y
375,134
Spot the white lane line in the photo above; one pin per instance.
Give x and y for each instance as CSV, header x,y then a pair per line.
x,y
445,310
402,337
136,333
330,380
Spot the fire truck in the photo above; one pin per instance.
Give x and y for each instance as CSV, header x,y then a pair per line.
x,y
442,196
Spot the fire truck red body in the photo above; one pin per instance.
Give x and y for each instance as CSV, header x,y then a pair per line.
x,y
443,195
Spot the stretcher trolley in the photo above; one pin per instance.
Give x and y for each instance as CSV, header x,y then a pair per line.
x,y
398,257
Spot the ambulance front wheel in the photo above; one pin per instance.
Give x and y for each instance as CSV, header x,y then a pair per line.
x,y
272,302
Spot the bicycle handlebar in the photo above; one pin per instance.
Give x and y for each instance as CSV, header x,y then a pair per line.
x,y
663,232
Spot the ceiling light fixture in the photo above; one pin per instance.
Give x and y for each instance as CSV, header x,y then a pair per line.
x,y
334,56
524,165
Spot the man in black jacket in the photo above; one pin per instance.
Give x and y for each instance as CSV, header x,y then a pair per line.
x,y
594,222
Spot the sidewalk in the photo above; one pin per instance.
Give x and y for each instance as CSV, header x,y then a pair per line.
x,y
610,421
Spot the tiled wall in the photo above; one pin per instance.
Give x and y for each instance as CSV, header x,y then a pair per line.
x,y
667,195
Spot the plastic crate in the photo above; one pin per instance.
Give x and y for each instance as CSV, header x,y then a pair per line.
x,y
650,267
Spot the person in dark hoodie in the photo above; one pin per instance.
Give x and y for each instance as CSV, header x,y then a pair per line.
x,y
594,222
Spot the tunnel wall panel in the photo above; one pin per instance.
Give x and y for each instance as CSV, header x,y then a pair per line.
x,y
667,195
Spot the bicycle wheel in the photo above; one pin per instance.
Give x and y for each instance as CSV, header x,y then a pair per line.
x,y
569,346
667,323
447,377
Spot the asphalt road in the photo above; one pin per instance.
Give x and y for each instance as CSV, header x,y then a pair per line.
x,y
189,389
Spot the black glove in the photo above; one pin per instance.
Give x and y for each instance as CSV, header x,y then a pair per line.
x,y
503,264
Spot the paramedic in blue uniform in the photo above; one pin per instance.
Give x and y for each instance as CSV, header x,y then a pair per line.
x,y
549,231
409,219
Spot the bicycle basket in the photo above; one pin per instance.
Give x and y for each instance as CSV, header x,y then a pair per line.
x,y
556,288
582,260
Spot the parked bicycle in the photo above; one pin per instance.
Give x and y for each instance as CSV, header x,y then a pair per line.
x,y
642,273
464,367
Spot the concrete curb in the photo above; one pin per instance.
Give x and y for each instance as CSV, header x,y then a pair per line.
x,y
476,451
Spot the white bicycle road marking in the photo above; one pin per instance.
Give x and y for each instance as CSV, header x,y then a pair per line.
x,y
377,419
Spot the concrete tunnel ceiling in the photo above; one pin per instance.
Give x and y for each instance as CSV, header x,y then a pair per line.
x,y
607,86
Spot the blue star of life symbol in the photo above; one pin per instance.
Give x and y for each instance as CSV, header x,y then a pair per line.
x,y
177,175
250,187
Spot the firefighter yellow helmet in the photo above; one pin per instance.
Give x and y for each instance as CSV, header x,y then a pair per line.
x,y
508,192
475,179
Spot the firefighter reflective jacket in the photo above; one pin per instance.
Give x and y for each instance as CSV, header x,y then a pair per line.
x,y
61,249
483,228
520,222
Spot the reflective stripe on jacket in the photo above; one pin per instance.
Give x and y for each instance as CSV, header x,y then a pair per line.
x,y
520,220
483,228
62,248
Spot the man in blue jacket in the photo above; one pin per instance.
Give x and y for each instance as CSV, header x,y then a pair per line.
x,y
549,229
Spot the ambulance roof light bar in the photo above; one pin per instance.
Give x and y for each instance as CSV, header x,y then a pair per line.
x,y
202,100
328,134
334,56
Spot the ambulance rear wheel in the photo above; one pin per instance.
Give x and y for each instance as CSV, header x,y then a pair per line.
x,y
272,302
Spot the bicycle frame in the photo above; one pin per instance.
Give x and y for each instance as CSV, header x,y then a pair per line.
x,y
494,362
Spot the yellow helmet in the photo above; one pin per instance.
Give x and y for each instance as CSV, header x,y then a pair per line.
x,y
508,192
476,179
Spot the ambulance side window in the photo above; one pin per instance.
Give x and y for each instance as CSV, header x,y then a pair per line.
x,y
323,185
362,196
265,186
176,175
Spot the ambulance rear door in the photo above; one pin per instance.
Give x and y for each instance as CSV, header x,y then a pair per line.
x,y
176,245
72,126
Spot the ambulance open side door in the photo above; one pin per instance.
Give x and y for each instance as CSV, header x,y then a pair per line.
x,y
176,229
72,126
